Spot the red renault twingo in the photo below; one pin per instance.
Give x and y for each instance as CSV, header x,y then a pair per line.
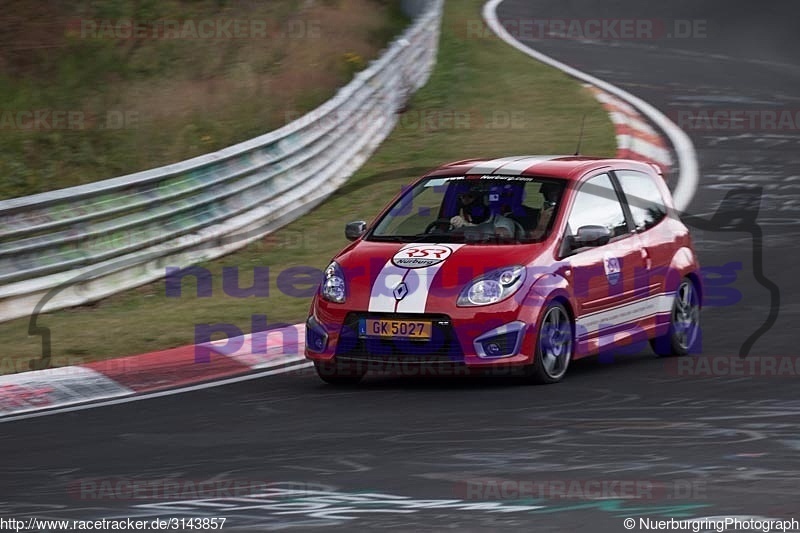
x,y
527,261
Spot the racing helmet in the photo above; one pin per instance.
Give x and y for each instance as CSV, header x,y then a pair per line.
x,y
472,207
551,192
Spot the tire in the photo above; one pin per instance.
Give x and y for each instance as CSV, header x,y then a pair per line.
x,y
335,373
684,324
555,345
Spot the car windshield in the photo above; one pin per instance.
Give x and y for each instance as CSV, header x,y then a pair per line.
x,y
480,209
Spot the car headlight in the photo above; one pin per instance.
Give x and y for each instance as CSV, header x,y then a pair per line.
x,y
493,287
333,284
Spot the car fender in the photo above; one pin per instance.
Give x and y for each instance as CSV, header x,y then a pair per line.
x,y
683,264
544,289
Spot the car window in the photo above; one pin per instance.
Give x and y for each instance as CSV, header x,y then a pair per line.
x,y
532,196
643,197
415,211
597,204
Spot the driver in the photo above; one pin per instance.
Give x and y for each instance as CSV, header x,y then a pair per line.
x,y
490,220
472,211
551,194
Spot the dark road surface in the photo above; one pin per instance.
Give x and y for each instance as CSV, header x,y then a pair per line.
x,y
690,446
486,454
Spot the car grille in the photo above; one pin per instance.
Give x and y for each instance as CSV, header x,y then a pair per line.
x,y
442,347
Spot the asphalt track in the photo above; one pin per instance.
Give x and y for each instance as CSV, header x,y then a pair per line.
x,y
705,445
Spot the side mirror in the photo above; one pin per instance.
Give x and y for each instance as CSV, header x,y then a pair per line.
x,y
591,236
354,230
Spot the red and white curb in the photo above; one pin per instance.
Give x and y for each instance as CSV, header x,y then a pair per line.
x,y
124,379
636,138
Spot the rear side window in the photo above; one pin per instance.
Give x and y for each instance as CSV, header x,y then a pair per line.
x,y
644,198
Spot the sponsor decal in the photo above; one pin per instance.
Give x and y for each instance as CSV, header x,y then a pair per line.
x,y
415,265
421,256
612,268
624,314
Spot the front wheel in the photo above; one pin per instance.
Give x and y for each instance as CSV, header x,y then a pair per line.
x,y
336,373
684,326
554,346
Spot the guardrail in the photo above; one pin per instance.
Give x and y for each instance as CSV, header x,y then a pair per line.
x,y
76,245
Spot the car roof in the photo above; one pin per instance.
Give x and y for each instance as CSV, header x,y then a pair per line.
x,y
568,167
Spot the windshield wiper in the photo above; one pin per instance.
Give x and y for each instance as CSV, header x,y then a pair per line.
x,y
438,237
390,238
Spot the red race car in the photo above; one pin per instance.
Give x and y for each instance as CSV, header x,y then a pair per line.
x,y
526,262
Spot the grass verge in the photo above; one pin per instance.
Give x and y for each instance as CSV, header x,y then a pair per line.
x,y
99,89
484,99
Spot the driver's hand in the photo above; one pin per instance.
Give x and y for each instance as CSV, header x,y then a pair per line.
x,y
541,225
458,221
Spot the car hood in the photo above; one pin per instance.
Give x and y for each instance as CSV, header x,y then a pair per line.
x,y
421,277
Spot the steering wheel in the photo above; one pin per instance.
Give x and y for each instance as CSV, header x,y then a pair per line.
x,y
439,223
519,228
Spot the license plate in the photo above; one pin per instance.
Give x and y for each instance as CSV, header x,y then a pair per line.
x,y
406,329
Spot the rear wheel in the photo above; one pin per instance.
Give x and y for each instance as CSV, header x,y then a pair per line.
x,y
554,346
684,327
336,373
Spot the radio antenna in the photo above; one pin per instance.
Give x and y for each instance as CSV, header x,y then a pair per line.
x,y
580,137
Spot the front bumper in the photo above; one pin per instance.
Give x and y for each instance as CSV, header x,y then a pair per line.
x,y
469,337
